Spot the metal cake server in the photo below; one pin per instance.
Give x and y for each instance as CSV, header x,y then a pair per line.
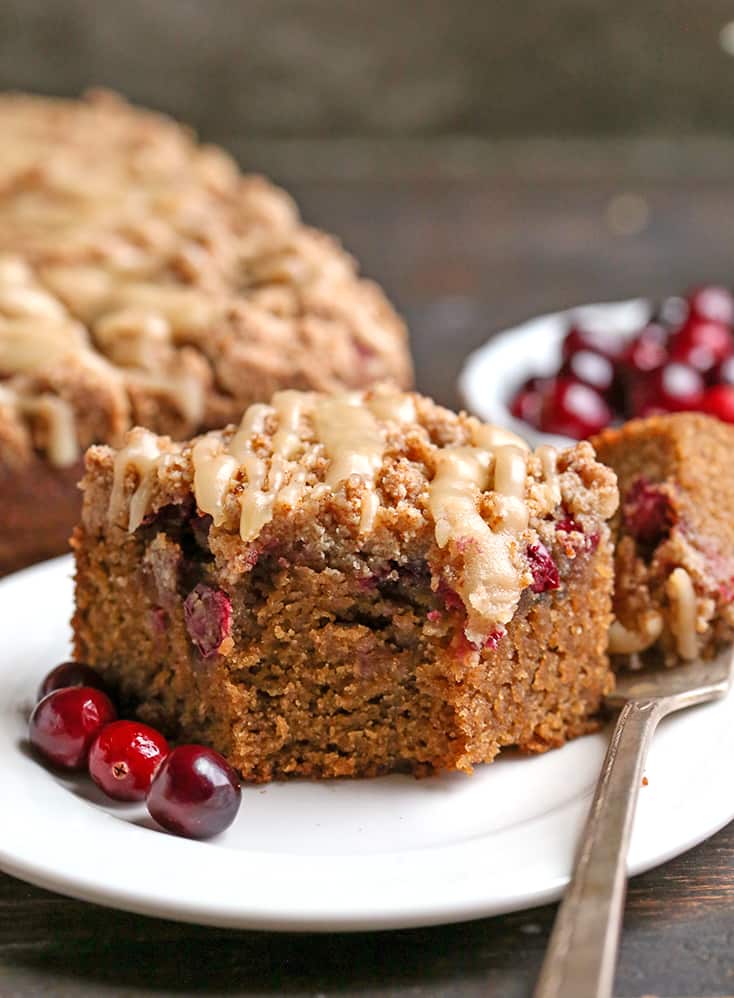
x,y
582,951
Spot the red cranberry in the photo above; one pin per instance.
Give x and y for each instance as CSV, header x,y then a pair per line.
x,y
672,312
208,616
723,373
648,350
124,757
493,638
574,410
702,344
577,339
647,512
719,402
71,674
589,542
195,792
543,568
592,369
528,400
673,388
65,723
713,303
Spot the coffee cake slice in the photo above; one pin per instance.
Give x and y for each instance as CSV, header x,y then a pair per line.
x,y
674,537
347,585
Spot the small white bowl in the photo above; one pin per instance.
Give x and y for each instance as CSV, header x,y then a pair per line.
x,y
493,373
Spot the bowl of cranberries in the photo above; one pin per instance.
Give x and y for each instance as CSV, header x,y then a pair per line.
x,y
189,790
566,376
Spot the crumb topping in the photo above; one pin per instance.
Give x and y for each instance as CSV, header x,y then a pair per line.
x,y
392,459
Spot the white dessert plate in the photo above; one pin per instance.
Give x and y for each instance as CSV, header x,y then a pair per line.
x,y
491,375
347,855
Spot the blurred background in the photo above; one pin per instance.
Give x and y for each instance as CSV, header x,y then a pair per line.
x,y
484,160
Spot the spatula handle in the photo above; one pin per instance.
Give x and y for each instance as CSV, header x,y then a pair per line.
x,y
582,951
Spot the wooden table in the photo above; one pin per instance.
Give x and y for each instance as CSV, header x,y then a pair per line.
x,y
504,233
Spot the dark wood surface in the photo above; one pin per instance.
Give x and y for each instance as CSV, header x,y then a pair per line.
x,y
418,67
503,237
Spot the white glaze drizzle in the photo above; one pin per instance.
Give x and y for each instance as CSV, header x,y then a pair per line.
x,y
213,471
490,584
57,414
623,641
62,444
141,452
682,596
551,486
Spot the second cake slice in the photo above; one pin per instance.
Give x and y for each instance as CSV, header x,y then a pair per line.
x,y
349,585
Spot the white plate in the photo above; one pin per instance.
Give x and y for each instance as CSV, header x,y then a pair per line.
x,y
371,854
492,374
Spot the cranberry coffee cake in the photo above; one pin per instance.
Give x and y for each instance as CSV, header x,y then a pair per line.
x,y
349,584
145,280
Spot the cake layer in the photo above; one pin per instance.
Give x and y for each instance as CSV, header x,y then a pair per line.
x,y
145,280
674,536
349,584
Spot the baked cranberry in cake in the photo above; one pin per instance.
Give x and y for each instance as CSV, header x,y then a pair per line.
x,y
647,513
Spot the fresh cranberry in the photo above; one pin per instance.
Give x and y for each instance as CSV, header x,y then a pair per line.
x,y
593,369
713,303
609,345
195,792
71,674
647,512
723,373
648,350
528,400
702,344
672,312
574,410
124,757
673,388
65,723
719,402
208,616
543,568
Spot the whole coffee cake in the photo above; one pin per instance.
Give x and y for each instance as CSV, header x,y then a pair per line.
x,y
349,584
145,280
674,535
